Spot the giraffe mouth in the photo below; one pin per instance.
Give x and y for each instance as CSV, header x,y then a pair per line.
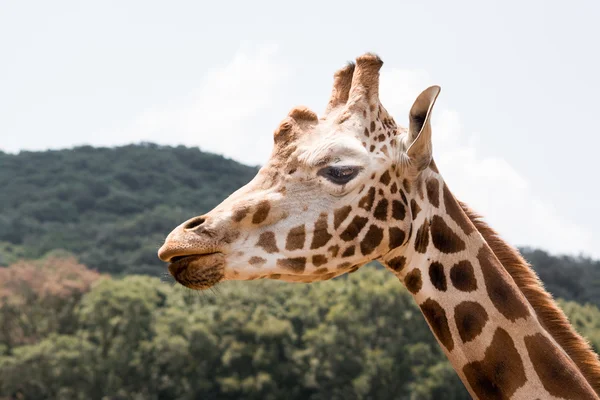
x,y
198,271
178,258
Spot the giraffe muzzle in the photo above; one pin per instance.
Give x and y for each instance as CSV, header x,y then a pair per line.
x,y
192,238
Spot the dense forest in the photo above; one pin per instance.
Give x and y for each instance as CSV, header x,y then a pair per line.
x,y
78,320
70,333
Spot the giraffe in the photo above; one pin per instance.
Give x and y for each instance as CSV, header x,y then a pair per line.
x,y
352,186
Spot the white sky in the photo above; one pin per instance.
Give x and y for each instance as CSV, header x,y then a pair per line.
x,y
514,128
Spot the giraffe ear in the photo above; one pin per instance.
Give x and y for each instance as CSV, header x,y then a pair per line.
x,y
419,131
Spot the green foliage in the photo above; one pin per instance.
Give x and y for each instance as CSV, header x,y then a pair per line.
x,y
585,319
567,277
11,253
358,337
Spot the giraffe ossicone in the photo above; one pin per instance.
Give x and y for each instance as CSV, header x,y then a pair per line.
x,y
350,187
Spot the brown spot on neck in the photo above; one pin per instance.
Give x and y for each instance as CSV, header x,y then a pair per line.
x,y
462,276
353,228
444,238
349,252
437,276
456,213
414,209
403,196
334,250
500,373
380,211
557,373
500,286
470,319
397,237
413,281
422,237
433,192
372,239
397,263
319,260
398,210
437,320
344,265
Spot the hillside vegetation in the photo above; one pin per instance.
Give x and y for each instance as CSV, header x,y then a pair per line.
x,y
68,333
112,207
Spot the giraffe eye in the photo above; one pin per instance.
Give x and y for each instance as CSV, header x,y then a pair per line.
x,y
340,175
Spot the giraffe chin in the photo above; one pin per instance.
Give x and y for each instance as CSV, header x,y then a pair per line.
x,y
199,271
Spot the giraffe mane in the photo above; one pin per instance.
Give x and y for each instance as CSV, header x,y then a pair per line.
x,y
544,305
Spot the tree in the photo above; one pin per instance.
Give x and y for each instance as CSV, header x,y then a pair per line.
x,y
39,297
585,319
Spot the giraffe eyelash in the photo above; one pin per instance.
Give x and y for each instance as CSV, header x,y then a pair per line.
x,y
339,175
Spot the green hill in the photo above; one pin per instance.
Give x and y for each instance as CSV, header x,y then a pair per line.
x,y
112,207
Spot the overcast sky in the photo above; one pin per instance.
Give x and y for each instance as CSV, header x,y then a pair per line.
x,y
515,131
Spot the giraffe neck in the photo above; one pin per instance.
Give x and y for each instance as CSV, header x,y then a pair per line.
x,y
482,320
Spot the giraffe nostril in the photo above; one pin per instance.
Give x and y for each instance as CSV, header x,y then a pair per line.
x,y
193,223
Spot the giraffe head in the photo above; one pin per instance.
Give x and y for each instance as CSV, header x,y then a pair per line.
x,y
334,194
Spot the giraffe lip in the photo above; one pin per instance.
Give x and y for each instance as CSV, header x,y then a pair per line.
x,y
189,257
178,258
198,271
175,259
